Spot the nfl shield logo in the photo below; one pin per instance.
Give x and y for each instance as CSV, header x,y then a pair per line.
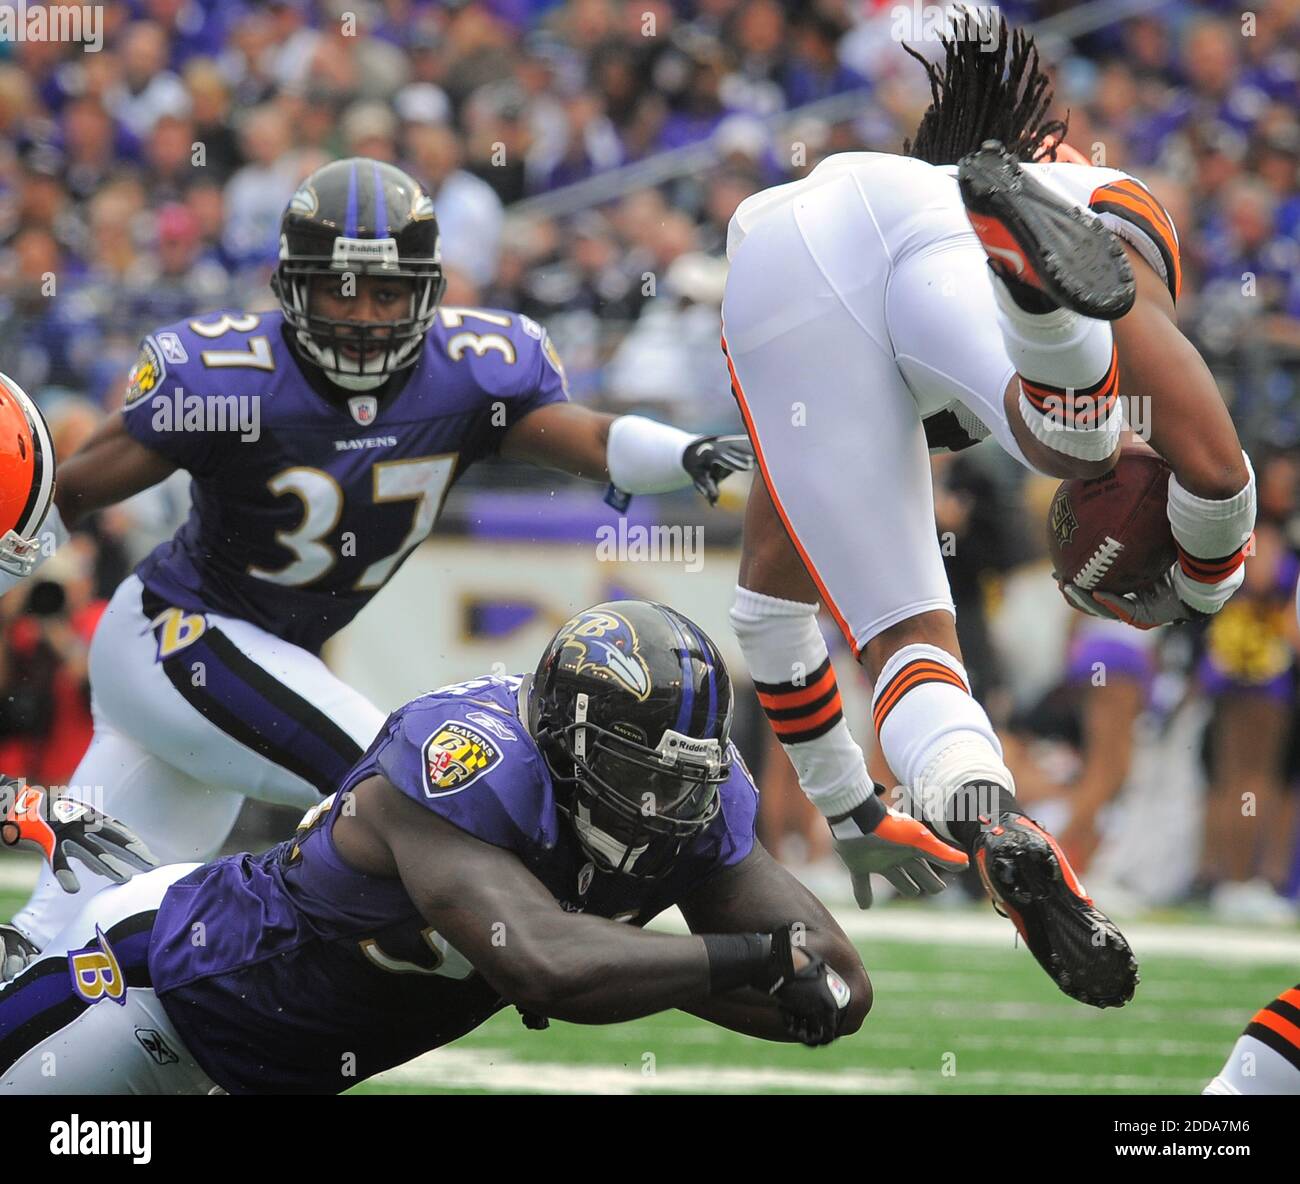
x,y
363,408
585,877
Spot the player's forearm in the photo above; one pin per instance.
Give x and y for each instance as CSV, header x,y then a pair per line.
x,y
110,467
749,1012
603,973
1190,428
1171,392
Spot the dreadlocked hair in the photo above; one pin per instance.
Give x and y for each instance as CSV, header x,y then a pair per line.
x,y
976,95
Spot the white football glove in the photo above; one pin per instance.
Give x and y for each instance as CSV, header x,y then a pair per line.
x,y
876,838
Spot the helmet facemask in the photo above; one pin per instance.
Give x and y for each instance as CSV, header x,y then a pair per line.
x,y
635,808
384,347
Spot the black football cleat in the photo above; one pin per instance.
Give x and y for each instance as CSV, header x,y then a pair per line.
x,y
1036,239
1031,882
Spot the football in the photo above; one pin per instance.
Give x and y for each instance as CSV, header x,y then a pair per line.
x,y
1111,533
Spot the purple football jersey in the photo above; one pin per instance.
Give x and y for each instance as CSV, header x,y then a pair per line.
x,y
303,505
291,972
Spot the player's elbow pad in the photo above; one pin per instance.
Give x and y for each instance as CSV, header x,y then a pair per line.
x,y
1213,538
52,535
644,456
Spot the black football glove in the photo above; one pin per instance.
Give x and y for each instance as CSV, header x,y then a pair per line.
x,y
62,828
813,1000
711,459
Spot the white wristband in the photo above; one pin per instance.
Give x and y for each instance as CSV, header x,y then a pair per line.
x,y
1210,533
644,456
1209,528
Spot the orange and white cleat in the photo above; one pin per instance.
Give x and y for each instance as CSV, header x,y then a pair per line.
x,y
1038,241
1032,883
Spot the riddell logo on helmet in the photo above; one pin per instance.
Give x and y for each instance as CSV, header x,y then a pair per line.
x,y
365,250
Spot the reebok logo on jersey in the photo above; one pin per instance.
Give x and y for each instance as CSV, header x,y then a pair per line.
x,y
172,349
157,1048
493,725
455,756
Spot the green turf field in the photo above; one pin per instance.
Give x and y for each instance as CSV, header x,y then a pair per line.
x,y
948,1018
958,1009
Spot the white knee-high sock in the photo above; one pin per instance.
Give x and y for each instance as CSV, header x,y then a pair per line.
x,y
936,737
1069,376
792,673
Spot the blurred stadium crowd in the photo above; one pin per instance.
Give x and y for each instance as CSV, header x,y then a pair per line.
x,y
144,183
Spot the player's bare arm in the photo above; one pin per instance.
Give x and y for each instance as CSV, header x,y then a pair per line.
x,y
759,894
563,436
492,909
110,467
1189,422
638,455
487,904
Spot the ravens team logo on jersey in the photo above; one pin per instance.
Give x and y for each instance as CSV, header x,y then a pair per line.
x,y
147,373
455,756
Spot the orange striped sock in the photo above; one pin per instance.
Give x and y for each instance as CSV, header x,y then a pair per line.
x,y
804,710
1277,1024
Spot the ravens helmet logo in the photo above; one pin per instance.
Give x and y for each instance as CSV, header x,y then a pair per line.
x,y
604,644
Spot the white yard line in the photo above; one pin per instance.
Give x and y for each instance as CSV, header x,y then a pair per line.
x,y
494,1070
981,927
975,926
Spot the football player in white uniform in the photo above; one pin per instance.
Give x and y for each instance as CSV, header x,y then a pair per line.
x,y
979,284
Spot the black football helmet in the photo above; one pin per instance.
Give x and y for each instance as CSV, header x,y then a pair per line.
x,y
359,217
631,706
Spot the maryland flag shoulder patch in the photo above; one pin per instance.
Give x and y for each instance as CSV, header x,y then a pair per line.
x,y
455,756
147,373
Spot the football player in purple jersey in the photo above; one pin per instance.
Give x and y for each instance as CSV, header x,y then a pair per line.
x,y
321,440
482,853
